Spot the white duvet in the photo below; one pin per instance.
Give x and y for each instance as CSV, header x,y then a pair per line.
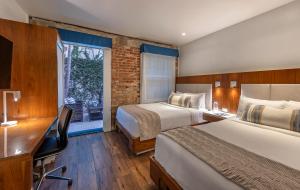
x,y
170,116
191,173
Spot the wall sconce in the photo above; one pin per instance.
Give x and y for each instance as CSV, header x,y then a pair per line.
x,y
233,84
17,97
217,84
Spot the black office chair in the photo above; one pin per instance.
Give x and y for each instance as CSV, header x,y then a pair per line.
x,y
53,145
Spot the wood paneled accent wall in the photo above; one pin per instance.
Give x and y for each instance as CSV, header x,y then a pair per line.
x,y
34,69
229,97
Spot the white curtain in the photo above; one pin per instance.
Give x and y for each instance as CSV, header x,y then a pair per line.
x,y
157,77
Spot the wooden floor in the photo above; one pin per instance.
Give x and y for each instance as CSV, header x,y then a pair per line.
x,y
102,161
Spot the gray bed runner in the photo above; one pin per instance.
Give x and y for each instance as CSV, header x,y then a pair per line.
x,y
244,168
148,121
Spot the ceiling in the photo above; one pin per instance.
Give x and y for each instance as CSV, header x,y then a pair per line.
x,y
157,20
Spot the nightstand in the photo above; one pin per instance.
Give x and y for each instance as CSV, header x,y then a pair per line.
x,y
212,116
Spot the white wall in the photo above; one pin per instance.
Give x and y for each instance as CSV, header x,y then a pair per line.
x,y
268,41
9,9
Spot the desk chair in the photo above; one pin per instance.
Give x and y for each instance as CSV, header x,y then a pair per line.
x,y
53,145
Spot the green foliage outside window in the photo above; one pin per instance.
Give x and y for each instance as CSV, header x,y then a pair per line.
x,y
86,76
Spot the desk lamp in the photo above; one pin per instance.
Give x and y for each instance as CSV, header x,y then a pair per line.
x,y
17,96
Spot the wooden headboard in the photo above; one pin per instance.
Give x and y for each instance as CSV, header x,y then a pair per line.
x,y
229,97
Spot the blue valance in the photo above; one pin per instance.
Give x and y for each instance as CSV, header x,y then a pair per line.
x,y
147,48
84,39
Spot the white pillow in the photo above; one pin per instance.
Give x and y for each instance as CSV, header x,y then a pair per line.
x,y
244,101
197,100
276,117
185,100
174,98
179,99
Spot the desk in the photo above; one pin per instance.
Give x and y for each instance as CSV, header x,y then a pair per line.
x,y
18,145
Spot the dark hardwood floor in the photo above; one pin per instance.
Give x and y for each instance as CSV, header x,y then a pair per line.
x,y
102,161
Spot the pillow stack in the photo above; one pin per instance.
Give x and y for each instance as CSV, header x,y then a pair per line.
x,y
179,99
188,100
279,114
244,101
197,100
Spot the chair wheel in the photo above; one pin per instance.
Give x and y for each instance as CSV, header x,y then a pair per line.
x,y
64,169
70,182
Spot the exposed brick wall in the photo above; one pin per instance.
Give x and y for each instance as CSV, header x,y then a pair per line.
x,y
125,76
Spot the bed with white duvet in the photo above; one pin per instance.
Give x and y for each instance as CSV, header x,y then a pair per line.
x,y
266,128
141,123
171,116
191,173
183,108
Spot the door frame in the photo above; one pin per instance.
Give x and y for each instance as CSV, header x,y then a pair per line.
x,y
107,90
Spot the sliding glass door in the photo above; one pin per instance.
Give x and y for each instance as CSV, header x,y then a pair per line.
x,y
83,88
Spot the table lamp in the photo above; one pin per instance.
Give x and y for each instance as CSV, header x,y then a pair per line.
x,y
17,96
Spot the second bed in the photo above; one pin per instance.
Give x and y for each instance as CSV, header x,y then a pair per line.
x,y
141,123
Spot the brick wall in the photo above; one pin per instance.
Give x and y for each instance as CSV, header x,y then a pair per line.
x,y
125,63
125,76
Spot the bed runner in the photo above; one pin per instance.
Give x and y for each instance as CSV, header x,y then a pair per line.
x,y
244,168
148,121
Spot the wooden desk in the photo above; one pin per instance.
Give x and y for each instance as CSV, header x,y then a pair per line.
x,y
18,145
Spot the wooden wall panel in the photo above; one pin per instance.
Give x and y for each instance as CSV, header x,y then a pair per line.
x,y
219,94
195,79
15,173
229,97
233,94
284,77
297,76
34,69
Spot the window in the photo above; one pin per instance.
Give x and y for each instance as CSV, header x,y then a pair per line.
x,y
157,77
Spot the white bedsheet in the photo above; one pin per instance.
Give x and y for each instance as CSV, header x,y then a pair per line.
x,y
170,116
192,173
